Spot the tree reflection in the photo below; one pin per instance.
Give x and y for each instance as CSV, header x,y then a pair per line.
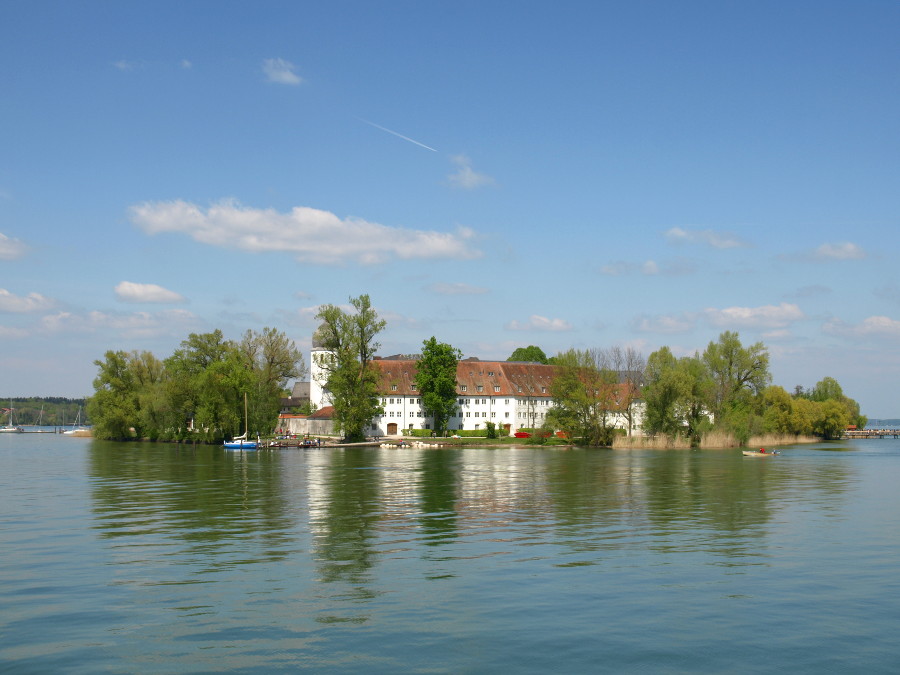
x,y
439,474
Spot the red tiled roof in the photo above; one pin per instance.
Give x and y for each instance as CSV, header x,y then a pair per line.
x,y
399,376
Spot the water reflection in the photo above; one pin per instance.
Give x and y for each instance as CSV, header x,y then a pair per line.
x,y
360,505
221,508
324,559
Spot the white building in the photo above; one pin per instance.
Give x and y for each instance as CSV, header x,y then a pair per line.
x,y
512,395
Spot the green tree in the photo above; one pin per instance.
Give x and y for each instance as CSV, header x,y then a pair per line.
x,y
350,377
832,419
113,407
207,381
436,380
664,388
272,359
737,374
777,410
676,395
530,353
584,391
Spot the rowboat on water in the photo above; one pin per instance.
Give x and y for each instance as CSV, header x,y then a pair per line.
x,y
762,452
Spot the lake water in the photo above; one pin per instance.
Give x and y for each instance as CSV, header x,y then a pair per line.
x,y
155,558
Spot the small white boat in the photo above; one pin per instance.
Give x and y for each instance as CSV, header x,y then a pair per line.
x,y
759,453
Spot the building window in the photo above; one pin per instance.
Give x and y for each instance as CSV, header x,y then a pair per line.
x,y
463,387
468,414
393,387
490,373
493,414
506,415
413,386
496,388
543,390
506,402
479,388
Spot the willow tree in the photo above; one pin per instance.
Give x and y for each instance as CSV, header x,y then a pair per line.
x,y
350,377
113,408
585,392
436,381
739,374
271,359
676,393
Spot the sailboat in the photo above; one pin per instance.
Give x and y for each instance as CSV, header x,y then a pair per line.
x,y
10,427
77,429
241,442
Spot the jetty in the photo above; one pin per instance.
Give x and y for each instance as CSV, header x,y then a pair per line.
x,y
871,433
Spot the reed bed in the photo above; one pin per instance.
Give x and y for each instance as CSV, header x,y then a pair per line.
x,y
714,439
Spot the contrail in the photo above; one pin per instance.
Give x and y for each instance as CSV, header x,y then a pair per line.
x,y
405,138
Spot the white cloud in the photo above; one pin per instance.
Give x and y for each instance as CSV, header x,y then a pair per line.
x,y
650,268
10,249
10,332
465,176
313,235
280,71
540,323
128,291
874,326
458,288
721,240
125,65
33,302
186,65
668,324
767,316
842,251
135,325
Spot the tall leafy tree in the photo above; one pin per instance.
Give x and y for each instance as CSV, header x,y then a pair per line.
x,y
585,392
531,353
350,377
676,395
114,406
737,373
436,380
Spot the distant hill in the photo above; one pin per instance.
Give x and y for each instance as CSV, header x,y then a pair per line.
x,y
882,424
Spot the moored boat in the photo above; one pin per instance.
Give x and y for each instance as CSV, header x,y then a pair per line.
x,y
241,442
10,427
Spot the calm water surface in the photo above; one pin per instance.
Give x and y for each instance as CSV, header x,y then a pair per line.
x,y
154,558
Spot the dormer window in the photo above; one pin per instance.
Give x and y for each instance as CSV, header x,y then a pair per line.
x,y
463,387
393,387
479,388
497,388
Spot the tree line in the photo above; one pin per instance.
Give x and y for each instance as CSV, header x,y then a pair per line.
x,y
197,393
52,411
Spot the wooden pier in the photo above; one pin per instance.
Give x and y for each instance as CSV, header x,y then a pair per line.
x,y
872,433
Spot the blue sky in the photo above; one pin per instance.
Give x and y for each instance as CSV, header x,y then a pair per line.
x,y
494,174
